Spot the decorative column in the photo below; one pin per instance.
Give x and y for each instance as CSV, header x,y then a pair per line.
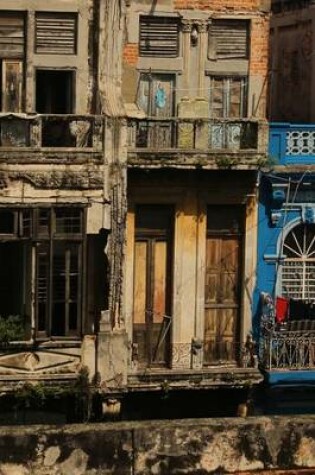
x,y
186,31
202,27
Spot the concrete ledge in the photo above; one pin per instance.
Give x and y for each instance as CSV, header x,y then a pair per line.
x,y
205,446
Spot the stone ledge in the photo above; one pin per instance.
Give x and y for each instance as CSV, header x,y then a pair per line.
x,y
196,447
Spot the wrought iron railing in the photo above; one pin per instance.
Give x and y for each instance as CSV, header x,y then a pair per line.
x,y
202,134
290,351
68,131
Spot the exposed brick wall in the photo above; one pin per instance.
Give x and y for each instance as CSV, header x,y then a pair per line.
x,y
259,45
258,64
131,54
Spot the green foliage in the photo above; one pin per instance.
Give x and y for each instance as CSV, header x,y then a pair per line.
x,y
37,396
11,329
228,161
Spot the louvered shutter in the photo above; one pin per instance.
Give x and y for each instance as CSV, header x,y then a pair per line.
x,y
56,33
11,35
159,36
229,39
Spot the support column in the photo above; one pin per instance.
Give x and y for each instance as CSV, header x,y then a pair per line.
x,y
202,27
186,30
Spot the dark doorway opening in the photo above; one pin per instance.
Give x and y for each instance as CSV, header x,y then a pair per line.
x,y
54,91
11,278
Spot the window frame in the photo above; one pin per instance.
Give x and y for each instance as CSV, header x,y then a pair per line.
x,y
227,83
13,58
300,265
26,228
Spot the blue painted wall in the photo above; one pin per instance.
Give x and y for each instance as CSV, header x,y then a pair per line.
x,y
276,219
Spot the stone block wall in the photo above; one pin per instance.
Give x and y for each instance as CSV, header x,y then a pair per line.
x,y
206,446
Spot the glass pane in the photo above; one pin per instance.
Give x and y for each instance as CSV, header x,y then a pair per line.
x,y
73,316
68,220
235,95
42,282
58,320
217,98
59,277
26,223
43,222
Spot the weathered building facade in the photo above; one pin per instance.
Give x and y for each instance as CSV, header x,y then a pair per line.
x,y
131,138
194,91
285,296
58,180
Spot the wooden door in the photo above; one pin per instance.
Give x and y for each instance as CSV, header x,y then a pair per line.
x,y
152,285
222,287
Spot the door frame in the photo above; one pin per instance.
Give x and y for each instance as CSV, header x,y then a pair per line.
x,y
241,276
151,236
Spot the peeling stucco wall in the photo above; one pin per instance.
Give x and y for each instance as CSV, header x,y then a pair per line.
x,y
205,446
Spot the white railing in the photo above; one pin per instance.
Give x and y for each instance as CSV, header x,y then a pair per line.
x,y
291,351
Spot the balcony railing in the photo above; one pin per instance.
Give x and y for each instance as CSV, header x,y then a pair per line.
x,y
292,143
201,134
61,131
291,352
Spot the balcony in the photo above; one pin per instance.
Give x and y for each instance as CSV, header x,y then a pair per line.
x,y
292,144
287,352
225,142
35,137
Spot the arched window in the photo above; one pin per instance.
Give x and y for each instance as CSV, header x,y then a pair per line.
x,y
298,268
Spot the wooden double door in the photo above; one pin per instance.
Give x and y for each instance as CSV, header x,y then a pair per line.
x,y
152,320
223,283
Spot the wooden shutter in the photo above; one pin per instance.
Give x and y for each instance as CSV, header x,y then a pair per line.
x,y
11,35
56,33
159,36
229,39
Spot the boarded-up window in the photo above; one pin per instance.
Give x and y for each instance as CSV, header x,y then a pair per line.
x,y
11,35
56,33
228,97
229,39
159,36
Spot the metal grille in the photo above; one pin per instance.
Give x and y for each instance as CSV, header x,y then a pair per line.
x,y
289,352
56,33
229,39
159,36
300,143
11,35
298,269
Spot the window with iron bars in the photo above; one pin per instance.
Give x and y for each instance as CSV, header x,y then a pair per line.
x,y
298,268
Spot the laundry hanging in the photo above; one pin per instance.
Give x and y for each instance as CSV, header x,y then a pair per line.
x,y
282,306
